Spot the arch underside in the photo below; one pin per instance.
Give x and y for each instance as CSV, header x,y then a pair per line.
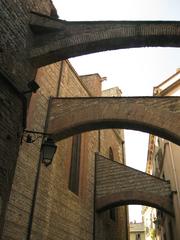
x,y
118,184
156,115
56,39
115,124
134,198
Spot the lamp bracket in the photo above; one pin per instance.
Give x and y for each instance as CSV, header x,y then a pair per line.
x,y
33,87
30,136
48,147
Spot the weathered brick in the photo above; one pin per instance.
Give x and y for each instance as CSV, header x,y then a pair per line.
x,y
71,115
123,185
58,211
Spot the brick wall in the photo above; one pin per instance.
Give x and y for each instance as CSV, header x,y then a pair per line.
x,y
93,83
118,175
115,185
120,112
58,211
106,227
19,206
15,73
11,116
75,215
16,37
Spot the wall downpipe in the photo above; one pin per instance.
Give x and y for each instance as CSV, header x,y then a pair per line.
x,y
36,181
60,79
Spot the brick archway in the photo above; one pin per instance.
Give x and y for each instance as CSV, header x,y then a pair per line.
x,y
117,185
134,197
57,39
157,115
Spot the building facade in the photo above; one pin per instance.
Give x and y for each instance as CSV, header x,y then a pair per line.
x,y
64,202
150,219
137,231
163,162
29,193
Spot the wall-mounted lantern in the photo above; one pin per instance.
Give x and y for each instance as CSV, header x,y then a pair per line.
x,y
48,147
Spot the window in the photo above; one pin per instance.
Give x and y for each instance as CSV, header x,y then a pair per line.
x,y
138,236
75,164
163,176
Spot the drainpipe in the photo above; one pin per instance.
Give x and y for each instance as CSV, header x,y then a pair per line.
x,y
59,80
94,213
99,141
123,153
36,182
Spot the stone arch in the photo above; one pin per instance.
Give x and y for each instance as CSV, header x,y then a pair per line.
x,y
157,115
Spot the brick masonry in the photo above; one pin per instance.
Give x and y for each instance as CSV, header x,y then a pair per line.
x,y
59,213
71,39
105,226
70,115
15,73
17,37
117,184
28,38
11,117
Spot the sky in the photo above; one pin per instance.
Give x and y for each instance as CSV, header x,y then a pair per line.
x,y
134,71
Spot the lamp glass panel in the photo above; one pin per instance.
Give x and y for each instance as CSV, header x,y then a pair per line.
x,y
48,151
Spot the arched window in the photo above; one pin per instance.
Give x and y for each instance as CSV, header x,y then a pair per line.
x,y
138,236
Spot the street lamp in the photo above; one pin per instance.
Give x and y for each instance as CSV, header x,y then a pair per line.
x,y
48,147
47,151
